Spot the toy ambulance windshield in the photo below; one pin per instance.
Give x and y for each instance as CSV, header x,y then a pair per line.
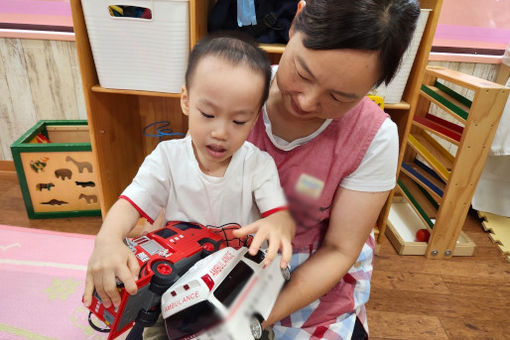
x,y
227,295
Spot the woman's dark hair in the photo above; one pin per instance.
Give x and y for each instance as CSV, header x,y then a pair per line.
x,y
386,26
234,48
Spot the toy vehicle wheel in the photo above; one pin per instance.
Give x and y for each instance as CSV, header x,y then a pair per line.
x,y
164,276
286,273
210,246
256,326
148,318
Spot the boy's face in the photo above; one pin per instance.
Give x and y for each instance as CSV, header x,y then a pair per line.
x,y
222,104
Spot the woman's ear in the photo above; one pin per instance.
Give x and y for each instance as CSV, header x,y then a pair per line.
x,y
184,100
301,4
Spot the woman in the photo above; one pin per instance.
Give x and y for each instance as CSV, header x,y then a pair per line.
x,y
336,154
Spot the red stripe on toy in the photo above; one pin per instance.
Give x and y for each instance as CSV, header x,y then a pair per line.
x,y
438,128
445,123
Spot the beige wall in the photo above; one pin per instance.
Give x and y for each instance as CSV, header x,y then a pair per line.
x,y
39,79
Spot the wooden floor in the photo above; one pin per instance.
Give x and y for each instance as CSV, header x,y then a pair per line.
x,y
411,298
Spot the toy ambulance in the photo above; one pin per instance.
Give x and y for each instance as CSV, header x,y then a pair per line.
x,y
163,255
224,296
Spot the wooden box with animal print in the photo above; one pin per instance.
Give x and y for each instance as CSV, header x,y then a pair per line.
x,y
55,169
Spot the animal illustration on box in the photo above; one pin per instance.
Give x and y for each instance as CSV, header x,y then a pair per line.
x,y
54,202
85,184
89,198
41,186
39,165
81,165
63,173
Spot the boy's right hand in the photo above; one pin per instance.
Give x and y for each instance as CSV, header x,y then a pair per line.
x,y
110,259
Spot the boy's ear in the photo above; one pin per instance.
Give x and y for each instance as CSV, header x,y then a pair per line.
x,y
300,6
184,100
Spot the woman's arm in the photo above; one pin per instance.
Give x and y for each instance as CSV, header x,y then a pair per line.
x,y
111,258
353,216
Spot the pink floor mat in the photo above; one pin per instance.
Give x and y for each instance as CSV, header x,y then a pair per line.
x,y
41,283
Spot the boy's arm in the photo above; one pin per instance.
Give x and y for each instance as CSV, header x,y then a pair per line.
x,y
111,258
276,226
352,219
278,229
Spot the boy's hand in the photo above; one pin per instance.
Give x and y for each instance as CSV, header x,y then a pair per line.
x,y
110,259
278,229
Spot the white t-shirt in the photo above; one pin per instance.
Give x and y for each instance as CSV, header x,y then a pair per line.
x,y
378,167
170,178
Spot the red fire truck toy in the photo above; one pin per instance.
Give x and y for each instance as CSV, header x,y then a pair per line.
x,y
163,255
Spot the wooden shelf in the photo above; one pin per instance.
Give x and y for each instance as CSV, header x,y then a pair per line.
x,y
444,187
438,157
402,113
462,79
438,127
99,89
404,222
411,192
448,103
398,106
434,186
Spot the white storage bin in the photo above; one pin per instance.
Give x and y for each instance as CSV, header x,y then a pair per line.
x,y
139,54
392,93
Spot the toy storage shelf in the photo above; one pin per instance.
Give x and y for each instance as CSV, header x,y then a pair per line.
x,y
435,187
402,113
117,117
98,88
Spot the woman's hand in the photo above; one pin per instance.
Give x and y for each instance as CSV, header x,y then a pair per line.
x,y
110,259
353,216
278,229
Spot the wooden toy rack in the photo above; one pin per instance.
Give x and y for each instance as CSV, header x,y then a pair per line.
x,y
435,187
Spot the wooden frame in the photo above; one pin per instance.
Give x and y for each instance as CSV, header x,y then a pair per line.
x,y
403,115
461,172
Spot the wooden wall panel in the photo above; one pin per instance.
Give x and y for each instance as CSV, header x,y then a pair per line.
x,y
54,81
39,79
17,107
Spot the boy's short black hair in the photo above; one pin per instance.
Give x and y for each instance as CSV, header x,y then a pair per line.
x,y
386,26
234,48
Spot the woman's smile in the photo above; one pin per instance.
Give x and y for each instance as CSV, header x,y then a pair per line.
x,y
296,107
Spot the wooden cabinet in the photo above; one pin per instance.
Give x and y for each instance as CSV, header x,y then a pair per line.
x,y
402,114
117,117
